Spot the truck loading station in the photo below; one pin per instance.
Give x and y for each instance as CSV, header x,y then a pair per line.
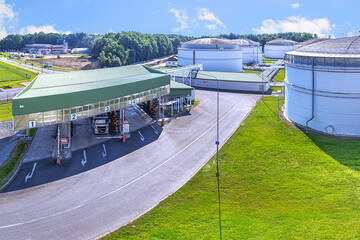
x,y
63,98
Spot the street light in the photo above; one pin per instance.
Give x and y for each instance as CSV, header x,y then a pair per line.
x,y
217,146
134,53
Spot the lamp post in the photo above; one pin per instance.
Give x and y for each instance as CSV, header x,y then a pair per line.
x,y
217,145
134,53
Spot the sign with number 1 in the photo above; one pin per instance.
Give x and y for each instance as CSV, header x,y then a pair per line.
x,y
32,124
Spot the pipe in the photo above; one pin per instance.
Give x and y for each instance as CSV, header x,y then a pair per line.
x,y
313,98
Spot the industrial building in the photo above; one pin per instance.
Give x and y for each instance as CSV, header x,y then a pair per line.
x,y
46,49
252,52
60,98
214,53
247,82
323,88
277,48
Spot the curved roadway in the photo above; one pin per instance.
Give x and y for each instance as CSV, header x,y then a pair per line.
x,y
72,201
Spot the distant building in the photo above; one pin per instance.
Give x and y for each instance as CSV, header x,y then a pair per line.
x,y
80,50
172,62
46,49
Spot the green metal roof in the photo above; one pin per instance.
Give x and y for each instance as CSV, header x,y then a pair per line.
x,y
179,89
57,91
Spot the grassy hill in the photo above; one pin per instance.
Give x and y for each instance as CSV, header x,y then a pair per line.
x,y
276,183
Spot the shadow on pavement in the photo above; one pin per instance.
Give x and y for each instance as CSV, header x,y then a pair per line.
x,y
47,171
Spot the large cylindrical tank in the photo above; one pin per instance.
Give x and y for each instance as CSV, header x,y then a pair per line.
x,y
323,86
252,52
216,54
277,48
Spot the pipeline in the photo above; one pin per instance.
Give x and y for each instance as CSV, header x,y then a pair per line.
x,y
313,98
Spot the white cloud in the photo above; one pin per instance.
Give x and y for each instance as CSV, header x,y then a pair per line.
x,y
295,5
204,14
210,26
45,29
181,17
320,26
6,15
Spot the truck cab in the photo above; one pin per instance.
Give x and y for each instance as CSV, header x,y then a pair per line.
x,y
101,124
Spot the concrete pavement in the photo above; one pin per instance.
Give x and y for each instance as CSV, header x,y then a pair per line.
x,y
98,191
10,93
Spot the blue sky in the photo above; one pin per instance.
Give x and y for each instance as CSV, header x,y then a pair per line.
x,y
187,17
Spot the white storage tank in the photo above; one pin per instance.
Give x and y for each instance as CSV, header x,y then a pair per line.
x,y
216,54
252,52
322,83
277,48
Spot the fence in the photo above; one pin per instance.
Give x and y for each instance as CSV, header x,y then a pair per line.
x,y
6,98
20,75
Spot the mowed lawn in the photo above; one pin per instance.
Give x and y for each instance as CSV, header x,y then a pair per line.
x,y
276,183
5,112
13,78
280,77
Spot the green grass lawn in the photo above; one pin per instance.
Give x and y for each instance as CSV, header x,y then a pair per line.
x,y
11,164
276,183
268,61
5,112
280,77
11,78
251,71
275,89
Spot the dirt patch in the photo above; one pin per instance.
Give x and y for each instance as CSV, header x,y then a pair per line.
x,y
71,63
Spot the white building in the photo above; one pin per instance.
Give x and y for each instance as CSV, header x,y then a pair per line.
x,y
252,52
323,86
216,54
172,62
277,48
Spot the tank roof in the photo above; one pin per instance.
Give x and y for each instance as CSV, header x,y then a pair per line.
x,y
244,42
347,45
209,41
311,41
281,42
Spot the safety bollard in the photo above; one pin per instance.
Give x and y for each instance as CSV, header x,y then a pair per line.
x,y
162,122
58,158
123,138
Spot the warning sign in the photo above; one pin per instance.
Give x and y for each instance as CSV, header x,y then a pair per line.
x,y
126,127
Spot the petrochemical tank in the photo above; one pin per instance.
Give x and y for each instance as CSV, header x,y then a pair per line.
x,y
252,52
277,48
216,54
322,82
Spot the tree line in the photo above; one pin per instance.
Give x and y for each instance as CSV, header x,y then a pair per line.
x,y
118,49
17,42
264,38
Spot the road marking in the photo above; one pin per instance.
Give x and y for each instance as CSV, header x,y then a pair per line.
x,y
84,161
155,131
104,152
141,136
127,184
30,174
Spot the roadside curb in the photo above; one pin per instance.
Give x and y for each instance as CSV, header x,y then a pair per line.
x,y
7,183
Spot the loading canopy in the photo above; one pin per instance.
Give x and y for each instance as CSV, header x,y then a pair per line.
x,y
179,90
55,98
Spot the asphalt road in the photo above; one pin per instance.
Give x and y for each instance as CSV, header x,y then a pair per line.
x,y
76,201
10,93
